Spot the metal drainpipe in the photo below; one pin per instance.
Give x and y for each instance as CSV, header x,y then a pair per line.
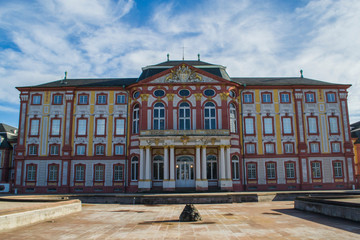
x,y
242,136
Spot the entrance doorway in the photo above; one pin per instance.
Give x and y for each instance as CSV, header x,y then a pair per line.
x,y
185,172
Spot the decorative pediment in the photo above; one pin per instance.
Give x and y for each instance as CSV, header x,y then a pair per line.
x,y
183,74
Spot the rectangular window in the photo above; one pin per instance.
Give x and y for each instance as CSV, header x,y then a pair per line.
x,y
34,127
314,147
120,99
57,99
80,173
338,173
270,171
100,150
268,126
36,99
269,148
266,98
80,149
33,150
55,127
99,172
248,98
287,126
290,170
119,126
119,149
251,170
335,147
312,125
100,127
250,148
118,172
82,127
54,149
53,173
334,125
330,97
310,97
316,169
83,99
249,126
285,97
101,99
31,172
288,147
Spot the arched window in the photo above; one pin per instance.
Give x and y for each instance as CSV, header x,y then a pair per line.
x,y
235,168
134,168
233,121
158,168
159,116
210,115
184,116
135,128
211,167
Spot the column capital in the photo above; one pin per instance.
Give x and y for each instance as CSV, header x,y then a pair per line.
x,y
141,147
228,146
147,147
198,146
172,146
222,146
166,146
204,146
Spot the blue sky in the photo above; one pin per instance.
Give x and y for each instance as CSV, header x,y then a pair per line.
x,y
40,40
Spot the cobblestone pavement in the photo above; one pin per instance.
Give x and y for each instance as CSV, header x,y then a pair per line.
x,y
264,220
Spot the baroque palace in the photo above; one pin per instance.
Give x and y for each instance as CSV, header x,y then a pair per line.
x,y
183,126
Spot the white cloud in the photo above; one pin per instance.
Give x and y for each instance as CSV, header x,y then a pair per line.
x,y
252,38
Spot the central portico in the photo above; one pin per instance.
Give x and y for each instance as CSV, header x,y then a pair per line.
x,y
184,159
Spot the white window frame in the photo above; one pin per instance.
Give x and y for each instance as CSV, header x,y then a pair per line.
x,y
184,116
100,126
136,111
120,126
290,170
270,170
99,173
55,127
233,119
209,116
53,173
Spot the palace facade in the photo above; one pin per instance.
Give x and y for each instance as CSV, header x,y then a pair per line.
x,y
183,126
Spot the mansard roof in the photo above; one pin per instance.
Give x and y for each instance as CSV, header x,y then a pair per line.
x,y
281,81
213,69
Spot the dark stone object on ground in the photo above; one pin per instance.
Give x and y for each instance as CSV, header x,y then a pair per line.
x,y
190,214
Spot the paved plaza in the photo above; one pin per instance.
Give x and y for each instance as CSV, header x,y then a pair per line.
x,y
258,220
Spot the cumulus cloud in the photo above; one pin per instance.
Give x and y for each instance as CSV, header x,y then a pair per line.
x,y
103,38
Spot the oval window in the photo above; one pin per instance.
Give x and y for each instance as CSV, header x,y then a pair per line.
x,y
232,93
136,94
159,93
209,92
184,92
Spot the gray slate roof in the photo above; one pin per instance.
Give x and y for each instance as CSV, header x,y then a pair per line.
x,y
280,81
90,82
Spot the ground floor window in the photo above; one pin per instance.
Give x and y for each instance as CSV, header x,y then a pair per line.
x,y
251,171
211,167
270,170
53,173
134,168
99,172
290,170
31,172
158,168
80,173
316,169
338,172
118,172
235,167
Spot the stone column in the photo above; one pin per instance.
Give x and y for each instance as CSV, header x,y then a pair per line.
x,y
228,163
166,163
222,163
198,159
141,163
169,184
203,163
147,164
172,163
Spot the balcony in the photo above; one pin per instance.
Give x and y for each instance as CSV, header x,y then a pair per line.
x,y
198,132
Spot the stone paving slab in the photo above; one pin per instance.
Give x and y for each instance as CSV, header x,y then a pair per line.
x,y
264,220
